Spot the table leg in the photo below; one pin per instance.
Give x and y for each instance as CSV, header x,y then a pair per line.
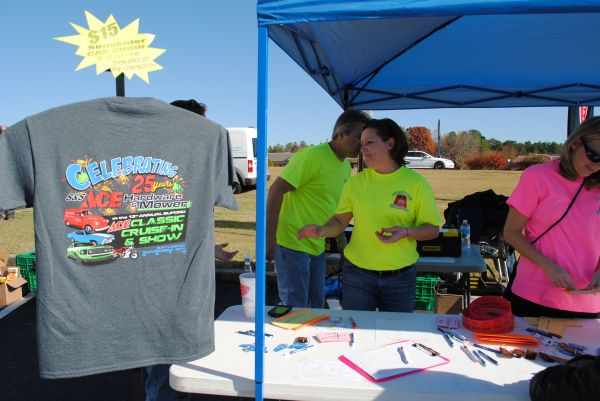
x,y
139,384
467,289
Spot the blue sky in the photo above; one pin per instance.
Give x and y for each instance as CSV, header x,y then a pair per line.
x,y
211,57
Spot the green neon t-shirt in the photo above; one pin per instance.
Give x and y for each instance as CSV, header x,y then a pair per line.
x,y
402,198
318,176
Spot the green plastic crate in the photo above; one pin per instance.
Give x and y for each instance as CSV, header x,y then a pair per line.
x,y
32,280
425,291
26,262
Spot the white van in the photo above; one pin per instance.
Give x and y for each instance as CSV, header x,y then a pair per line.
x,y
244,153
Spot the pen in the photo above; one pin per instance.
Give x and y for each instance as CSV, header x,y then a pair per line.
x,y
459,337
486,356
498,352
468,353
354,326
542,332
351,343
479,358
402,355
447,338
426,349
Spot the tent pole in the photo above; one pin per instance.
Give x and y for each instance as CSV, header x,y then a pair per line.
x,y
261,209
572,118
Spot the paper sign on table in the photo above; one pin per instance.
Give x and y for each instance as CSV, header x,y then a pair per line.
x,y
299,319
334,336
556,325
385,363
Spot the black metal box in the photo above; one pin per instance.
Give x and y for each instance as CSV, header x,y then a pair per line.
x,y
446,244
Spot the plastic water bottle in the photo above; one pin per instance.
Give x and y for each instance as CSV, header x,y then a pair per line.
x,y
247,265
465,234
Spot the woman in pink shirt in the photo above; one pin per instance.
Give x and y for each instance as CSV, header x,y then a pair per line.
x,y
565,258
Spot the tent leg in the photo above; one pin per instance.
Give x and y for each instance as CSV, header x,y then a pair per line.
x,y
261,208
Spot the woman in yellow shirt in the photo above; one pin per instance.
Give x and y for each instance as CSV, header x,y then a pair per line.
x,y
392,207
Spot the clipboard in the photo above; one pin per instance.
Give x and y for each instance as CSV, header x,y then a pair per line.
x,y
384,363
298,319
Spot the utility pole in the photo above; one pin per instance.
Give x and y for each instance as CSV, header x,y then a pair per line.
x,y
439,141
120,84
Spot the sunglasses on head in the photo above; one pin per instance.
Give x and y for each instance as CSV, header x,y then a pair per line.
x,y
593,156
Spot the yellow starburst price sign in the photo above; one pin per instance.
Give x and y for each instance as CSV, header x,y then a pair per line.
x,y
120,50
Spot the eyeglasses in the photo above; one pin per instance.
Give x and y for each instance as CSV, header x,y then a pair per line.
x,y
593,156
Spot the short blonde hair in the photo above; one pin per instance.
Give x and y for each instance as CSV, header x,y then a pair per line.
x,y
589,130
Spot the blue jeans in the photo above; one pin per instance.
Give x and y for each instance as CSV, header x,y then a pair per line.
x,y
157,385
300,278
367,290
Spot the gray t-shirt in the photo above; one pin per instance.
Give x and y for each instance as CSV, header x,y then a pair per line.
x,y
123,191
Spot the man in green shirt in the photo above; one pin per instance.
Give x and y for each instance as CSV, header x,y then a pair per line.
x,y
307,191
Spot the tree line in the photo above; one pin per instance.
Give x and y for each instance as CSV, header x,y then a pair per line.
x,y
457,146
287,148
464,145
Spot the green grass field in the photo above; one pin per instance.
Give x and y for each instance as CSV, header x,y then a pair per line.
x,y
238,228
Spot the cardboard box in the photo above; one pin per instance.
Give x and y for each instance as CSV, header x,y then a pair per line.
x,y
448,303
3,262
11,291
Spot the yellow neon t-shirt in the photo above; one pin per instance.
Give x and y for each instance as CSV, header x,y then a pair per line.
x,y
318,176
402,198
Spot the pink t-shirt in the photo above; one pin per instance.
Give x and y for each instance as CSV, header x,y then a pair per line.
x,y
543,195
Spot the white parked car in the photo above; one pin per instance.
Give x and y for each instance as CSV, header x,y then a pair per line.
x,y
418,159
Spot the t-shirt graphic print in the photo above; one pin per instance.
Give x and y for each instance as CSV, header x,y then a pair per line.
x,y
125,207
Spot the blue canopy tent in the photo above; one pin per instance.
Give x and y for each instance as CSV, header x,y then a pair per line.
x,y
417,54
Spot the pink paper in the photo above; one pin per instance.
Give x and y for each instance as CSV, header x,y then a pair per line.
x,y
447,322
334,336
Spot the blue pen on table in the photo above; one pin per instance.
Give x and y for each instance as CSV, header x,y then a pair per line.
x,y
402,354
479,358
446,337
495,351
486,356
351,343
458,336
543,332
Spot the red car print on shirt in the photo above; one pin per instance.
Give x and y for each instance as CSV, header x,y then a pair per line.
x,y
400,201
85,219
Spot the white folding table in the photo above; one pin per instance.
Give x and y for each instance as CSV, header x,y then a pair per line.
x,y
316,374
